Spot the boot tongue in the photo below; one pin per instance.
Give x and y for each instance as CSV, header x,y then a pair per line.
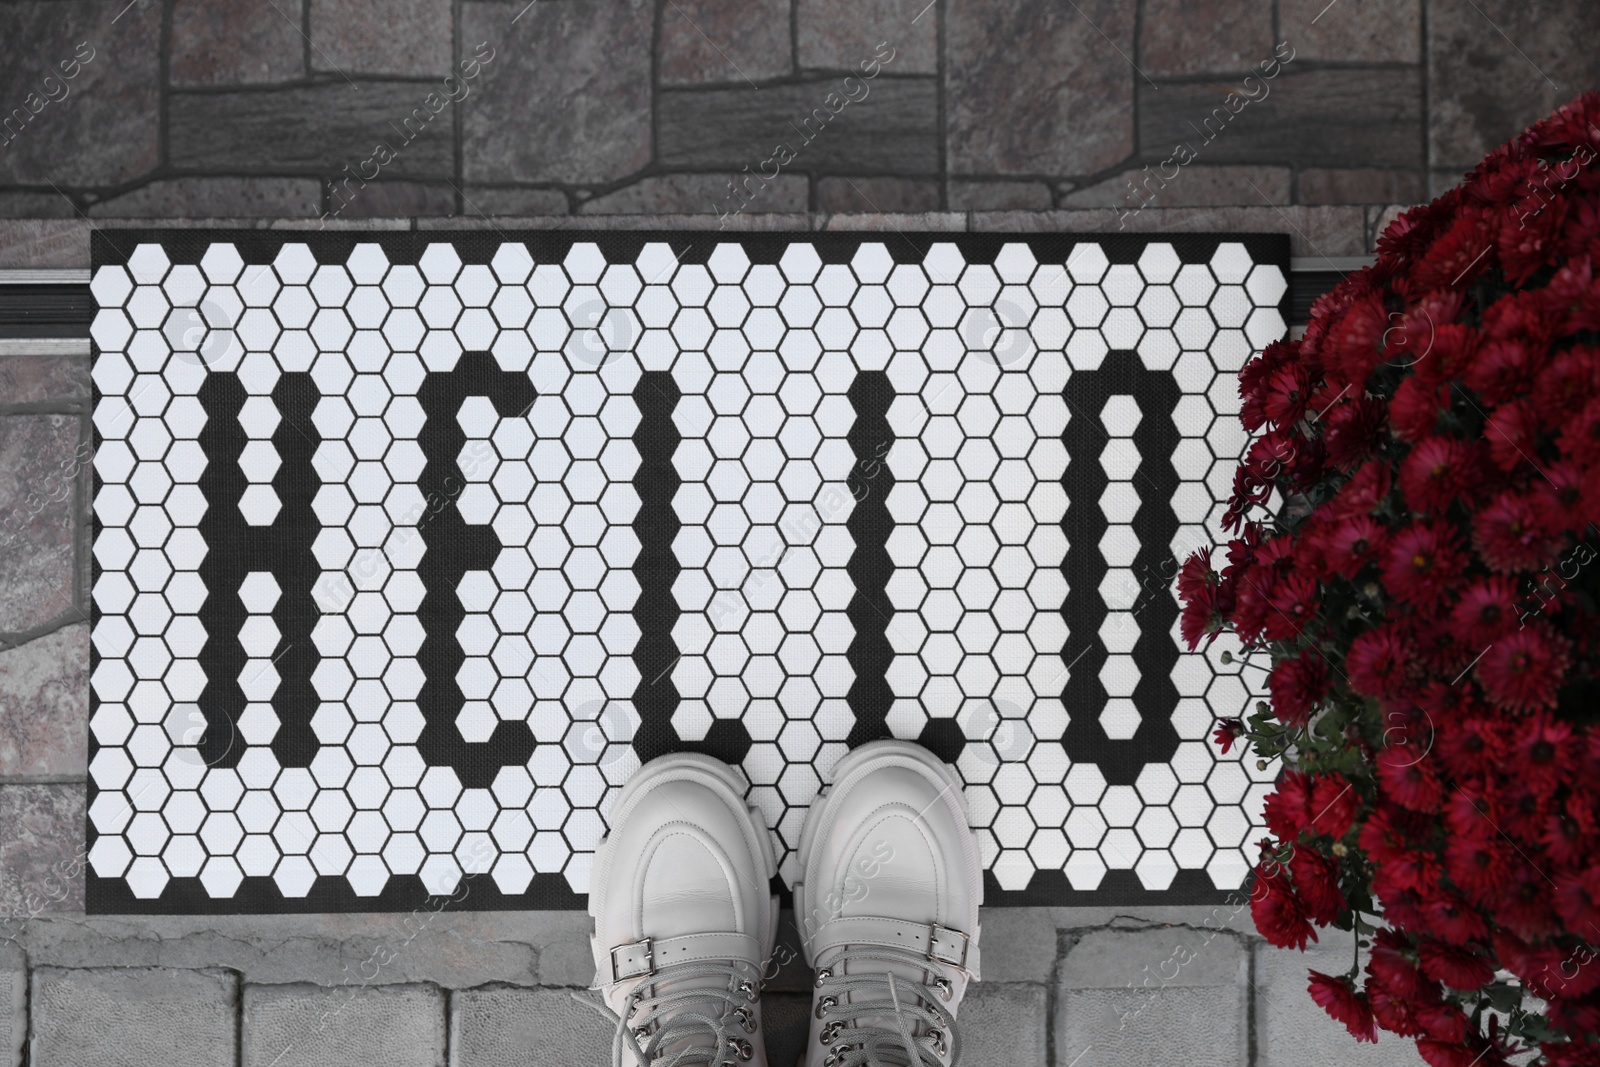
x,y
909,981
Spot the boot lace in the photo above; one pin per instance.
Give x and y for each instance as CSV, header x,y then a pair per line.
x,y
909,1004
716,1023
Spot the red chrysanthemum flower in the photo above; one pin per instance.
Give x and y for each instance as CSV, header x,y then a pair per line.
x,y
1409,778
1228,731
1486,611
1340,1000
1511,432
1544,754
1580,435
1414,412
1523,670
1422,562
1438,470
1316,883
1456,967
1477,863
1278,913
1453,920
1293,604
1351,544
1441,1021
1364,493
1379,662
1334,802
1506,533
1296,685
1577,901
1352,428
1470,746
1391,1010
1288,810
1458,257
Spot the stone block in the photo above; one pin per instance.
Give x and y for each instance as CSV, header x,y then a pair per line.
x,y
13,1003
839,34
1484,88
44,379
45,242
406,37
566,97
489,200
1197,185
52,205
39,468
1359,186
218,42
1293,1031
1019,945
351,199
1204,36
200,197
673,193
1354,31
1000,196
927,221
44,706
42,851
1003,1023
310,1026
736,41
1310,117
1004,116
134,1017
502,1026
892,125
334,125
1159,996
877,194
99,127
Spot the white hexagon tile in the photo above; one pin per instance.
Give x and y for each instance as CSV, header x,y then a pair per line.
x,y
410,548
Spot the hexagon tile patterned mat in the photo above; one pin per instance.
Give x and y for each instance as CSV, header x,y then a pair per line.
x,y
409,547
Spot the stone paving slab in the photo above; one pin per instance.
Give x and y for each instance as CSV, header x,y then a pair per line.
x,y
508,1026
38,481
1293,1031
1129,997
13,1003
44,706
314,1026
133,1018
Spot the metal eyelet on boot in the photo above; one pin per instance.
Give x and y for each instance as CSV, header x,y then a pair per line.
x,y
828,1033
936,1038
825,1004
944,988
749,991
746,1019
822,976
641,1033
745,1050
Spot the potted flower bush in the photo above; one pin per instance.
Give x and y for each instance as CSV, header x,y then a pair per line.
x,y
1414,559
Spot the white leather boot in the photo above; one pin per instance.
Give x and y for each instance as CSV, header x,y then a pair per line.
x,y
684,920
888,909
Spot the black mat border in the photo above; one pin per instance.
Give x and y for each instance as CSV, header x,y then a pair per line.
x,y
332,894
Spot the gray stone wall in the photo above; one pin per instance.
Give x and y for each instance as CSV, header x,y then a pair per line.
x,y
577,107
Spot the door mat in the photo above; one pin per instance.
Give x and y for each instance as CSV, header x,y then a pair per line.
x,y
409,547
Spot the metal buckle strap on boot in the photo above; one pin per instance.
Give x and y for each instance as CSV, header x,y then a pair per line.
x,y
642,958
940,944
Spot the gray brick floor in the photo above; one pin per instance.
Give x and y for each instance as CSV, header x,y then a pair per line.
x,y
1067,987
